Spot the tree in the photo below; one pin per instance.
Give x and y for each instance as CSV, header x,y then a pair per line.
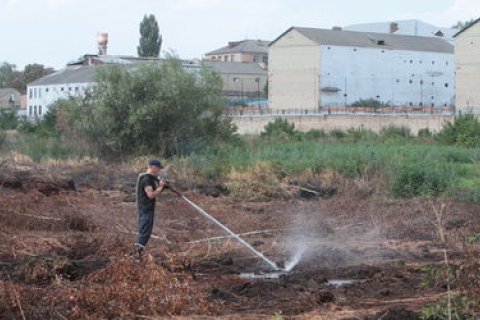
x,y
150,37
463,24
20,79
6,71
155,108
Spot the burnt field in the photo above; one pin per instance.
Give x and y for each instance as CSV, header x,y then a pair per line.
x,y
65,236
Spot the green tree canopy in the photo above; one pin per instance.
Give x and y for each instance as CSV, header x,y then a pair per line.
x,y
6,71
150,37
32,72
155,108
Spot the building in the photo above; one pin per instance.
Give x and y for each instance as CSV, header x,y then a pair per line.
x,y
241,51
313,68
467,73
240,81
70,81
406,27
11,99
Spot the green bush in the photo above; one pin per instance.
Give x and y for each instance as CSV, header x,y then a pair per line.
x,y
361,134
41,148
370,103
463,131
425,133
459,309
279,128
315,134
338,134
3,139
8,119
393,131
415,177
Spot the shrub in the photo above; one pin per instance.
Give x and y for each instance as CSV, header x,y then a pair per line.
x,y
393,131
3,139
315,134
414,178
337,133
361,134
425,133
8,119
459,309
279,128
463,131
370,103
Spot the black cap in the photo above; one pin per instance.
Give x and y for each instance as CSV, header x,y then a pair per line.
x,y
155,162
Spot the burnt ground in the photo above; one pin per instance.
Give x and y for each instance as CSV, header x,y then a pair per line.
x,y
64,242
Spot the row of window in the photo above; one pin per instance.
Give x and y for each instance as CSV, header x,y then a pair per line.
x,y
35,110
256,58
35,93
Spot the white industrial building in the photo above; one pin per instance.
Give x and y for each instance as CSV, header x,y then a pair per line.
x,y
70,81
313,68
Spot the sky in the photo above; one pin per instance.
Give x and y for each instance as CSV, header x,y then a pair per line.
x,y
55,32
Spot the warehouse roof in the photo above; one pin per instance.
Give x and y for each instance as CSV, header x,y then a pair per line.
x,y
74,74
372,40
259,46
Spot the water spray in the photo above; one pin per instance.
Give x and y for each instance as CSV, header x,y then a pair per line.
x,y
234,235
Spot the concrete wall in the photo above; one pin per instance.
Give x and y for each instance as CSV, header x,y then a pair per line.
x,y
293,72
255,125
467,60
397,77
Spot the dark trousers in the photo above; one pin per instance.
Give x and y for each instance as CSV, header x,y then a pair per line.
x,y
145,222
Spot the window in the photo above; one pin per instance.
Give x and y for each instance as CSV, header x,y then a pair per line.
x,y
35,93
30,110
40,110
256,57
76,88
355,49
265,58
446,85
433,83
34,110
39,92
398,80
446,63
30,94
329,48
433,62
232,58
225,58
411,81
69,88
257,80
411,61
421,81
46,89
61,89
236,79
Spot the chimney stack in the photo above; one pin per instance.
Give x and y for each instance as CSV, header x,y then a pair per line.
x,y
102,43
393,27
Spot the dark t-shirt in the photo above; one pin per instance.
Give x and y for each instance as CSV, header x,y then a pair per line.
x,y
143,201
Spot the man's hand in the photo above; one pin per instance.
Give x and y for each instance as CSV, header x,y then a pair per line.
x,y
153,193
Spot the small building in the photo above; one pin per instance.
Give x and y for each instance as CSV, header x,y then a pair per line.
x,y
10,98
313,68
240,81
241,51
406,27
467,73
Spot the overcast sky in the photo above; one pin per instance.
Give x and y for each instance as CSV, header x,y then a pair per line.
x,y
54,32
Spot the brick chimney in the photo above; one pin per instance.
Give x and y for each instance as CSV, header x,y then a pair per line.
x,y
393,27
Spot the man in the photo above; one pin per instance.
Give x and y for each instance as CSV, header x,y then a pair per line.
x,y
149,186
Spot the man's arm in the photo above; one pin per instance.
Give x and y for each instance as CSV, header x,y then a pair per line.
x,y
153,193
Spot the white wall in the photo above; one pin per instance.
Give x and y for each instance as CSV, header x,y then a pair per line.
x,y
401,78
40,98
